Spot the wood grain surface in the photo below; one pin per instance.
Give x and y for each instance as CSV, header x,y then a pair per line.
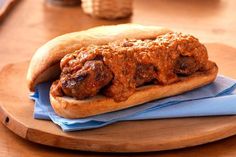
x,y
32,23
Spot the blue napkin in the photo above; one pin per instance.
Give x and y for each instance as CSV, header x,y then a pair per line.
x,y
217,98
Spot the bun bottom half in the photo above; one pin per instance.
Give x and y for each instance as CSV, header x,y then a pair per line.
x,y
69,107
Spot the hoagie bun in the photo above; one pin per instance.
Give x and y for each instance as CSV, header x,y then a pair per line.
x,y
110,68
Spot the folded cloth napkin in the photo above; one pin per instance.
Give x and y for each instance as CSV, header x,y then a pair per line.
x,y
217,98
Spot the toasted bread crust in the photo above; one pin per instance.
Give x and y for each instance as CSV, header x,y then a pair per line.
x,y
44,63
71,108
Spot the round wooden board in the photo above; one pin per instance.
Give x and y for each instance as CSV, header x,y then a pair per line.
x,y
16,113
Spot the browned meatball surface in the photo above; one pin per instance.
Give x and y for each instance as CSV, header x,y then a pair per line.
x,y
87,81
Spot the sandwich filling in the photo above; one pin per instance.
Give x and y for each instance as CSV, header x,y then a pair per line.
x,y
118,68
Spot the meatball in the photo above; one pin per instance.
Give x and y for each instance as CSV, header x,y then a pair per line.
x,y
185,65
87,81
145,73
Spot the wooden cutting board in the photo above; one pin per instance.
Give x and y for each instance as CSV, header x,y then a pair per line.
x,y
16,113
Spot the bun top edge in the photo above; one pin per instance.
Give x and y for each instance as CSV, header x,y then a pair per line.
x,y
48,55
